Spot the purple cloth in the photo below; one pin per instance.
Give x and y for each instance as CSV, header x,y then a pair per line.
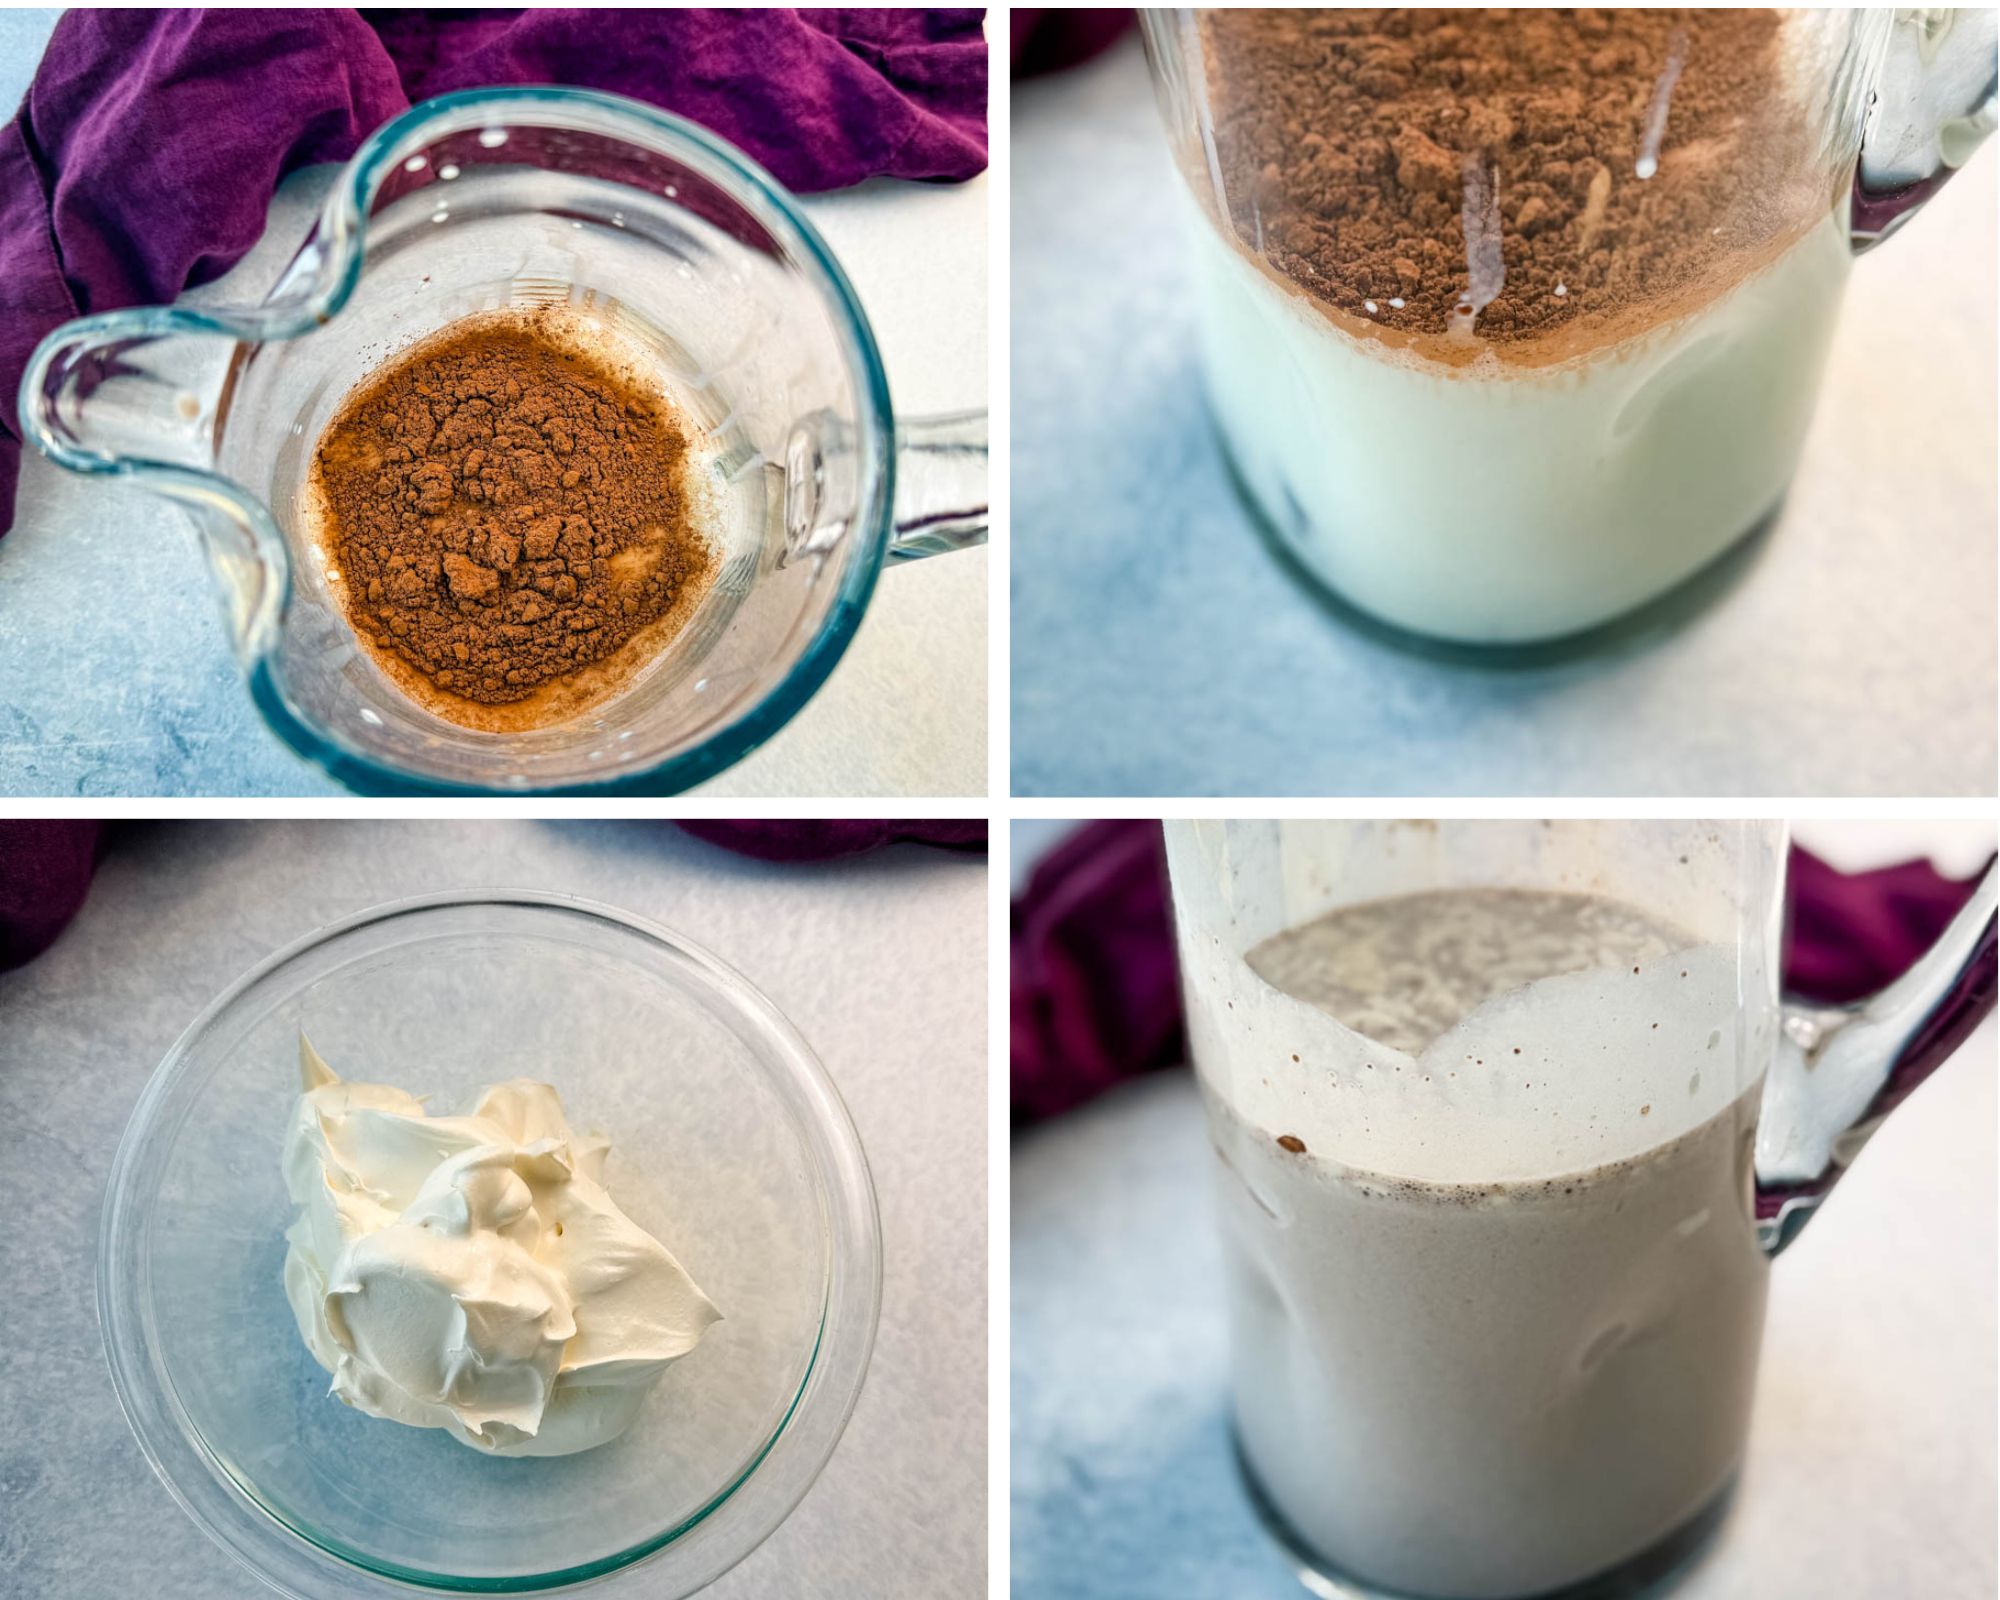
x,y
1049,40
1094,992
45,868
145,154
1096,998
821,841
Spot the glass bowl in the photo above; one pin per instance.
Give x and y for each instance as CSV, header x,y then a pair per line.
x,y
729,1142
691,266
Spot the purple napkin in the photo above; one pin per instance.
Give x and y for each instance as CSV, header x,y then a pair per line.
x,y
1095,994
1096,997
45,867
144,157
821,841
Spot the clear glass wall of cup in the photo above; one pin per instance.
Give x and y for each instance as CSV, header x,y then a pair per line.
x,y
707,273
1525,438
1495,1307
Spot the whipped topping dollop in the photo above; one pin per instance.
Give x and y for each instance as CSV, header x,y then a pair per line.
x,y
470,1273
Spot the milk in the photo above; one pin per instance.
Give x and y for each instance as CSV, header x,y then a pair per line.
x,y
1499,504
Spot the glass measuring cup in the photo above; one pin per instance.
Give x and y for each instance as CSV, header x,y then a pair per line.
x,y
699,267
1457,446
1495,1307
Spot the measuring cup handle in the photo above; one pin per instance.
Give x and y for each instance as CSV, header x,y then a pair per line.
x,y
1839,1071
940,484
1932,103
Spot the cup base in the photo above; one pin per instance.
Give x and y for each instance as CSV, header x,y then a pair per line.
x,y
1645,1576
1628,633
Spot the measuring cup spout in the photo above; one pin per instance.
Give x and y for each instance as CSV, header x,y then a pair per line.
x,y
135,394
940,484
119,392
1840,1070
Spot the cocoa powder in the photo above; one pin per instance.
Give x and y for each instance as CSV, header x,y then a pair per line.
x,y
506,512
1357,148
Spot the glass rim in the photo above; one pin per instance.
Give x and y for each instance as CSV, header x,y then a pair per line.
x,y
310,1566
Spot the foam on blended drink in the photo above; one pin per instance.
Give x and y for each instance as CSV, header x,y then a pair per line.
x,y
1513,1344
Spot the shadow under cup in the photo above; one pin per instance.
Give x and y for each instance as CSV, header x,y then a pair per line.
x,y
692,270
727,1144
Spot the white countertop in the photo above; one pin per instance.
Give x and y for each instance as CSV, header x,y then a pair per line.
x,y
1158,648
879,961
115,677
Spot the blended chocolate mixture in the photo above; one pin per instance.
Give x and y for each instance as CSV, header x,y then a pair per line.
x,y
1535,172
511,521
1481,1389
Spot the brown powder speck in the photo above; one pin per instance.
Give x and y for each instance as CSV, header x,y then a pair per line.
x,y
1345,139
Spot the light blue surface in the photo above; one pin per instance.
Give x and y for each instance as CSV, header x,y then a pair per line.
x,y
115,675
1160,648
1123,1482
23,33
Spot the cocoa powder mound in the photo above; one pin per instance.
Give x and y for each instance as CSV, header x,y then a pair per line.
x,y
505,511
1356,147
